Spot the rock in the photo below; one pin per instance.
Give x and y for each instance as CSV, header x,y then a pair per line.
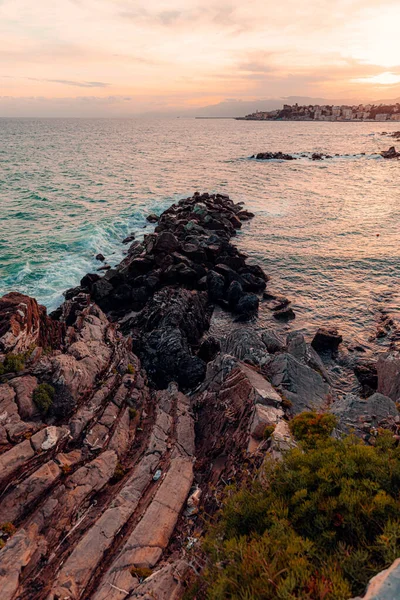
x,y
88,280
274,156
234,294
166,242
24,324
215,286
209,349
327,340
129,238
303,352
352,411
152,218
285,314
303,387
367,375
248,305
24,388
104,268
100,257
246,345
273,342
388,369
391,153
385,585
263,416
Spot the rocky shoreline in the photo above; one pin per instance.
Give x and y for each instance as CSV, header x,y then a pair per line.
x,y
121,418
317,156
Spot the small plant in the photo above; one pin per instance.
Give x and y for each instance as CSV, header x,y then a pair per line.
x,y
2,543
286,403
43,397
8,529
130,369
2,369
14,363
66,469
132,413
119,473
268,431
141,573
310,427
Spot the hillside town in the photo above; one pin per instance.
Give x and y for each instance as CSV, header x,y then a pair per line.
x,y
361,112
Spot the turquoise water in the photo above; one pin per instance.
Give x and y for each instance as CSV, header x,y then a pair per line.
x,y
72,188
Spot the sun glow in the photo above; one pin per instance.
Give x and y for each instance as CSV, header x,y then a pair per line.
x,y
386,78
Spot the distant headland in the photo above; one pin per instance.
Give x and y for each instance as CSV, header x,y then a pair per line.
x,y
316,112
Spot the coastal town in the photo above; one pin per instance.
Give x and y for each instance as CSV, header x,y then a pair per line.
x,y
361,112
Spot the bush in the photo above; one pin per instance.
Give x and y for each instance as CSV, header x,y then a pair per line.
x,y
132,413
130,369
310,427
119,473
43,397
329,521
141,573
7,528
268,431
14,363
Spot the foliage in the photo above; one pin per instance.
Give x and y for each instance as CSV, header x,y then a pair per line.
x,y
132,413
328,521
141,573
310,427
7,528
14,363
130,369
268,431
43,397
119,473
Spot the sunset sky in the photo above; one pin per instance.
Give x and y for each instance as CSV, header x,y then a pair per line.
x,y
122,57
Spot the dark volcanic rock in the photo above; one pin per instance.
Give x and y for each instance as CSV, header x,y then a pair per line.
x,y
215,285
209,349
100,257
248,305
88,280
234,294
273,342
327,340
274,156
152,218
391,153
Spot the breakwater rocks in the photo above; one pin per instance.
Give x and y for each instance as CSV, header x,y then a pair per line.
x,y
121,419
319,156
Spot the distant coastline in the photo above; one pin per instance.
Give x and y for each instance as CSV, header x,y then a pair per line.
x,y
343,113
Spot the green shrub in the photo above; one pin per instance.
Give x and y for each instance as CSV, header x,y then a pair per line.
x,y
14,363
7,528
43,397
141,573
130,369
119,473
310,427
2,369
328,521
132,413
268,431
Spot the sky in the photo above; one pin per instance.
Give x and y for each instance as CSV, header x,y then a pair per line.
x,y
127,57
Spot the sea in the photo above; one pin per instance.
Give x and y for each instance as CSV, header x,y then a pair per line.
x,y
327,232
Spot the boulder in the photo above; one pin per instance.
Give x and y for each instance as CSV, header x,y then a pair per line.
x,y
356,413
215,286
166,242
245,344
152,218
273,342
327,340
298,383
388,369
385,585
247,305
